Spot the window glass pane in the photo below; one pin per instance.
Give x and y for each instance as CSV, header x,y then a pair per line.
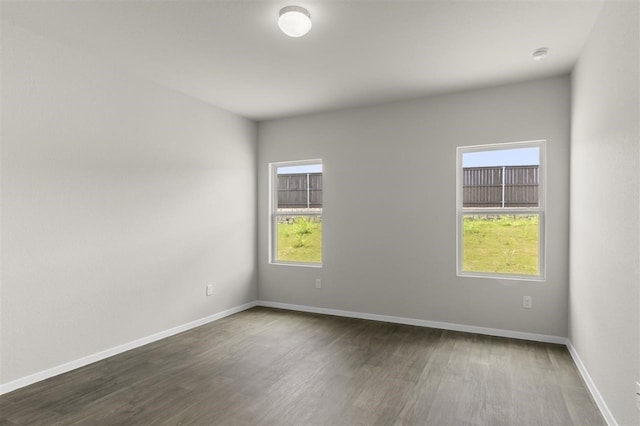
x,y
296,234
501,243
299,188
299,238
501,178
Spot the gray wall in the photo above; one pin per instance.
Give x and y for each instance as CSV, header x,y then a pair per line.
x,y
115,207
605,254
395,254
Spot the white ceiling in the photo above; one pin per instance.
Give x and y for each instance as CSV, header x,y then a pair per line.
x,y
232,54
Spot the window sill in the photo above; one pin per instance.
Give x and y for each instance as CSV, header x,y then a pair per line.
x,y
510,277
299,264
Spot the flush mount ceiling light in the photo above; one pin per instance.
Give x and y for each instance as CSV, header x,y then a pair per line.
x,y
540,54
294,21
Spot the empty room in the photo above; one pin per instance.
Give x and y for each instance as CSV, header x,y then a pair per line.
x,y
261,212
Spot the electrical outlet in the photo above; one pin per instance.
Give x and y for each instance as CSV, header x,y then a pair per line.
x,y
527,302
638,394
209,289
318,283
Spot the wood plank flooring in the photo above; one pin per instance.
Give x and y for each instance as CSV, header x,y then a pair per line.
x,y
276,367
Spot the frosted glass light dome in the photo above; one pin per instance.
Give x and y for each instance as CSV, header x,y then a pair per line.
x,y
294,21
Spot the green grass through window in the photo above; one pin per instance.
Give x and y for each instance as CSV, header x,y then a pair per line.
x,y
503,244
300,240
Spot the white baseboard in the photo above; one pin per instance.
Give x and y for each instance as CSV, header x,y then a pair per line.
x,y
72,365
418,322
602,405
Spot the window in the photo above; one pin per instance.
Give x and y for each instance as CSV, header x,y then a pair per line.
x,y
296,213
501,211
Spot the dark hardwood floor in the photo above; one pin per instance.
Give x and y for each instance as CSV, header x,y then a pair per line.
x,y
269,366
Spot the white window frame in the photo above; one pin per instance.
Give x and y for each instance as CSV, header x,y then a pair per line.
x,y
273,212
540,210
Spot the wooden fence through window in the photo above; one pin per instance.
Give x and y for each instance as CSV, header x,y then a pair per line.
x,y
503,186
301,190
